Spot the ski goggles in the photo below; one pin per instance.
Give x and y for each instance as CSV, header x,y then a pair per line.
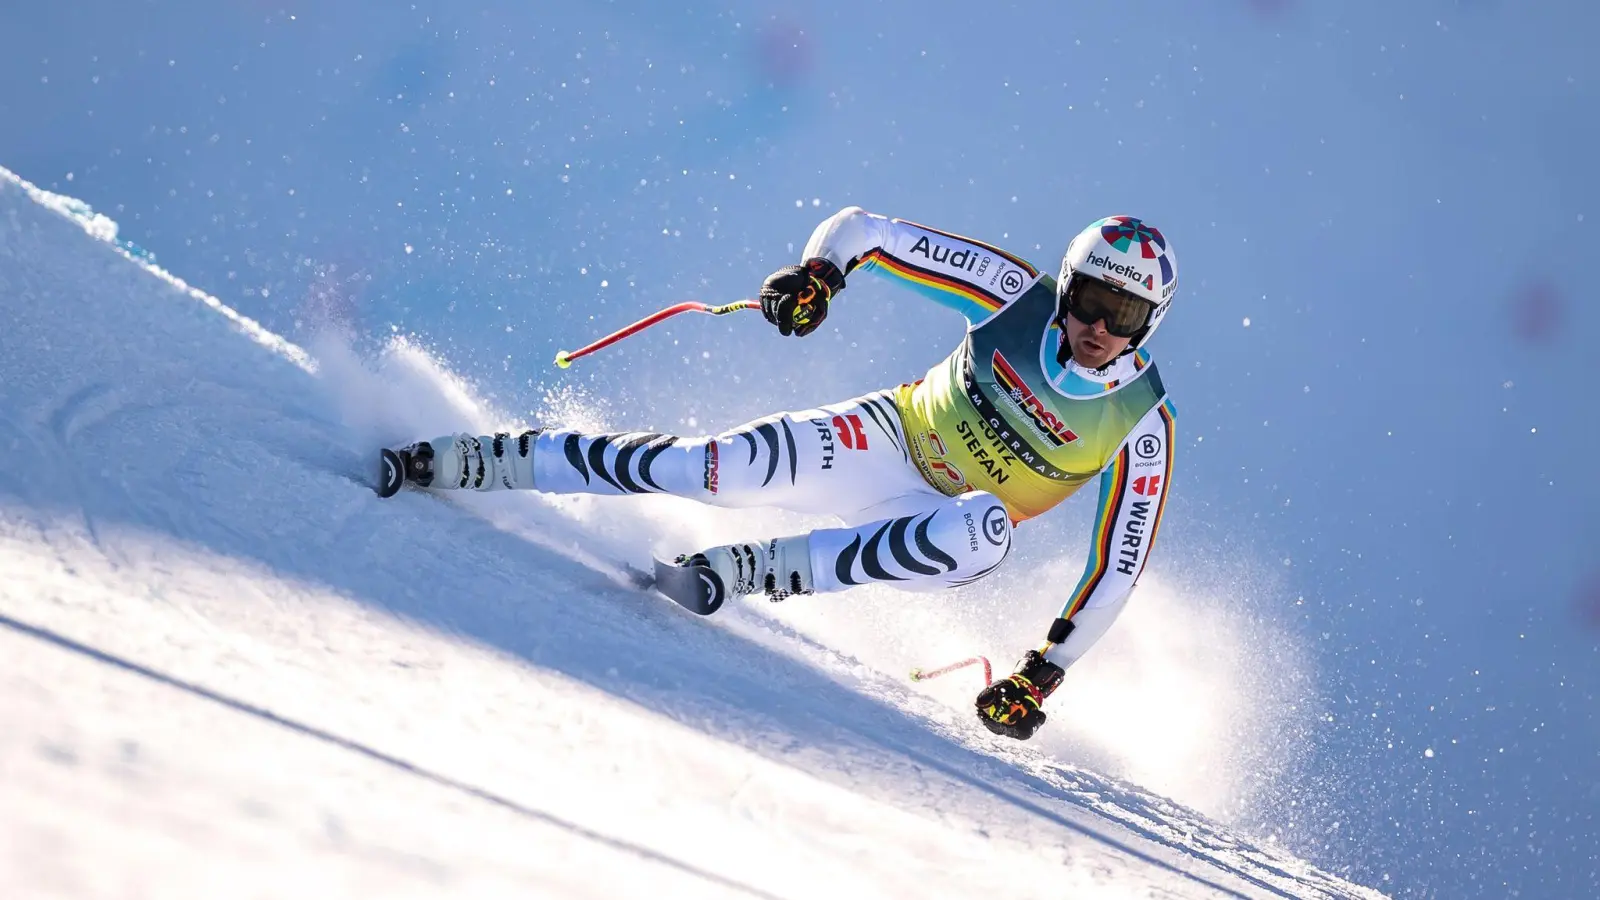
x,y
1091,300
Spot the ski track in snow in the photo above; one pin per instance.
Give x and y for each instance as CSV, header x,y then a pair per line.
x,y
223,661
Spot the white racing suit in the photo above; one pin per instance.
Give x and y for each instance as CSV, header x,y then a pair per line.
x,y
848,459
931,476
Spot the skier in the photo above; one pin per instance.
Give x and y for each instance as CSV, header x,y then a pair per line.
x,y
1050,388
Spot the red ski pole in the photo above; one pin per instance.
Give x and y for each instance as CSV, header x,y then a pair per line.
x,y
565,357
924,675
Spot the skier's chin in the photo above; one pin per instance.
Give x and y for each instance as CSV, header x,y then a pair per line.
x,y
1091,355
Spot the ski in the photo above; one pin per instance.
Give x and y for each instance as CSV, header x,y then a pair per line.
x,y
391,473
698,589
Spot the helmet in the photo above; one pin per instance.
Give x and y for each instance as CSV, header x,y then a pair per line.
x,y
1126,254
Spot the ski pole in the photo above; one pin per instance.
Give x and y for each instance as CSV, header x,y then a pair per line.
x,y
988,674
565,357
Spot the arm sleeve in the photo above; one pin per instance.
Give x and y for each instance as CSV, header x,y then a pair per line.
x,y
1133,495
969,276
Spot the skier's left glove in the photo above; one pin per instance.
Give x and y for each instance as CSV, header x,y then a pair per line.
x,y
795,298
1011,706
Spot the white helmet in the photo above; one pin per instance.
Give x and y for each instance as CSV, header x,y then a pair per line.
x,y
1128,255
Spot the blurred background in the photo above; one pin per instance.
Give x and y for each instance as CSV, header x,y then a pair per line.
x,y
1380,352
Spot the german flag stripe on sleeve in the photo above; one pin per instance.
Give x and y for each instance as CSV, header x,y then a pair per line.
x,y
1017,261
923,278
1113,486
1168,417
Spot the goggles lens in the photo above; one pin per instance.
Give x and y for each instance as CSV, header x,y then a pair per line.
x,y
1090,300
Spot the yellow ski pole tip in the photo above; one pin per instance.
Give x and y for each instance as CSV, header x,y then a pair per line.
x,y
563,360
916,674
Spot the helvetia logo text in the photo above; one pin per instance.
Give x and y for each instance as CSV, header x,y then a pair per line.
x,y
1123,269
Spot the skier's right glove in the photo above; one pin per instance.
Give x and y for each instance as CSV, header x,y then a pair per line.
x,y
1011,706
795,298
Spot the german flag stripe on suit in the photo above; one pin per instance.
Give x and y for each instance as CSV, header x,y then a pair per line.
x,y
932,283
1168,415
1113,487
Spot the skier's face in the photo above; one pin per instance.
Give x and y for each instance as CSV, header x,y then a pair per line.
x,y
1092,346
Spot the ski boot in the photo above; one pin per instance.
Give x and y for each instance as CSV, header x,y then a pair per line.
x,y
491,462
413,463
700,582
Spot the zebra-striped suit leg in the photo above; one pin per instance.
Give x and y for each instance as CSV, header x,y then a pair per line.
x,y
956,541
633,462
838,459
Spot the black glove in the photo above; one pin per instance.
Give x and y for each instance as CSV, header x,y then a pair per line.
x,y
795,298
1011,707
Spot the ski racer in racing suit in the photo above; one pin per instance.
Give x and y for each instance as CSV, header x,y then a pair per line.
x,y
1050,388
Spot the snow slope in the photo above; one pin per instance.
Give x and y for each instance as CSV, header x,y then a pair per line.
x,y
227,668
